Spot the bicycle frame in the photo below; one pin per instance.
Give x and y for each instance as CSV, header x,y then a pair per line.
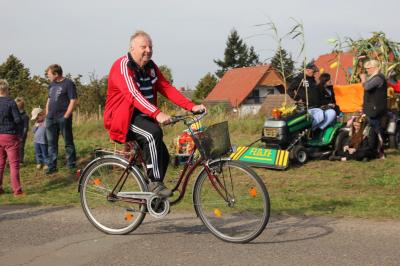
x,y
136,158
188,168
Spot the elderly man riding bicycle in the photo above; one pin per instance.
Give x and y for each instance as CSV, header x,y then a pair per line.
x,y
131,107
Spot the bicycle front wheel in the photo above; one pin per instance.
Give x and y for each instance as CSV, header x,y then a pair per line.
x,y
232,201
104,210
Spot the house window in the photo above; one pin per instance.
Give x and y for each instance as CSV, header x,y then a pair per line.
x,y
254,97
255,94
259,94
266,90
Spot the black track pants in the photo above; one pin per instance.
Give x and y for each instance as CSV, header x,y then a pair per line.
x,y
149,136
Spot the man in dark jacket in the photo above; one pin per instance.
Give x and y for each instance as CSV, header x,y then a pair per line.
x,y
375,97
299,89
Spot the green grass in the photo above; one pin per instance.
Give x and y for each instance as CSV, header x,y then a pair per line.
x,y
339,189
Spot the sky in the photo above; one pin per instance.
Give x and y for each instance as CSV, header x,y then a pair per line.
x,y
85,37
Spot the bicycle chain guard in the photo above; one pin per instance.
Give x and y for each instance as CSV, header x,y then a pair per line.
x,y
156,206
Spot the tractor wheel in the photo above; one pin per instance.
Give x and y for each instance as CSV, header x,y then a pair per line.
x,y
299,153
394,140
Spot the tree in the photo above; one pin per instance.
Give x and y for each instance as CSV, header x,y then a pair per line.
x,y
163,102
33,90
35,94
236,54
14,71
204,87
283,63
166,71
91,95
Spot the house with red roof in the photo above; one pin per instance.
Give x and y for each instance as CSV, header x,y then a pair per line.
x,y
245,89
339,67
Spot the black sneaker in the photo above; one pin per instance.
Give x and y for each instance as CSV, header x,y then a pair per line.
x,y
160,189
50,171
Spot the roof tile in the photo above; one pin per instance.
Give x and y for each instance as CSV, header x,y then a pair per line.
x,y
237,84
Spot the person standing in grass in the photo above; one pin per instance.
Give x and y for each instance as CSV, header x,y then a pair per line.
x,y
375,99
60,104
39,139
23,128
10,119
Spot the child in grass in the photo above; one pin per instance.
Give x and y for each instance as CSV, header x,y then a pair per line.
x,y
39,139
22,128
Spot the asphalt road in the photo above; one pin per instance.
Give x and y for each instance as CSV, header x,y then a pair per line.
x,y
63,236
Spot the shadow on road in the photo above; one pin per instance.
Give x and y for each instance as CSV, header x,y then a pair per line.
x,y
280,229
283,229
175,225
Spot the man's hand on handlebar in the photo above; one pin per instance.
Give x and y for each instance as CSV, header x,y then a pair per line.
x,y
163,118
199,109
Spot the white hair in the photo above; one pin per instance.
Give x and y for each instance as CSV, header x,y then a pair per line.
x,y
138,33
372,63
4,87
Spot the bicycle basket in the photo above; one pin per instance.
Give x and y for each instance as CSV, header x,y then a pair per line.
x,y
214,141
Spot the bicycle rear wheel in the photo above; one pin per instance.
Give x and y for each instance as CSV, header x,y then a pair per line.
x,y
240,213
105,211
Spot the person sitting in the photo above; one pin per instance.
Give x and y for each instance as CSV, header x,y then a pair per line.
x,y
300,88
131,110
328,99
362,144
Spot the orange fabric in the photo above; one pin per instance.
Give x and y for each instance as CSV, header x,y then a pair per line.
x,y
349,97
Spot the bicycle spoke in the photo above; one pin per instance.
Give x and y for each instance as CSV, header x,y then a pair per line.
x,y
99,189
244,213
111,215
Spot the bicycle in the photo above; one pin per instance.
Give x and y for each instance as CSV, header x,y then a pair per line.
x,y
229,197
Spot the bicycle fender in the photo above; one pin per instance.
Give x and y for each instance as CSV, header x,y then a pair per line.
x,y
92,162
202,171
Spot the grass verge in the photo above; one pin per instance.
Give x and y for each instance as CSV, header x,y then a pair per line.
x,y
338,189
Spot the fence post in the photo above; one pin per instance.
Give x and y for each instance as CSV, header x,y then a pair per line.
x,y
99,112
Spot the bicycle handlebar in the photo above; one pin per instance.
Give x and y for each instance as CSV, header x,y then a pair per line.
x,y
186,118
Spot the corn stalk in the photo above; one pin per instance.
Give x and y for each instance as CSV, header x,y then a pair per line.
x,y
278,39
377,47
338,51
297,32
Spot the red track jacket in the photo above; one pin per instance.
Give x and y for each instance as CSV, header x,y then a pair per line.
x,y
123,96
